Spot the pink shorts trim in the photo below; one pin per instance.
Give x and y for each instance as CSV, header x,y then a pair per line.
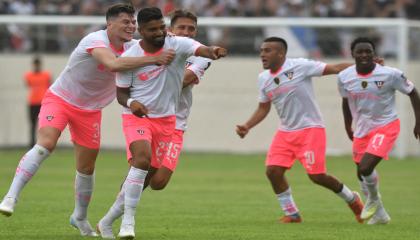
x,y
379,141
157,131
307,145
84,125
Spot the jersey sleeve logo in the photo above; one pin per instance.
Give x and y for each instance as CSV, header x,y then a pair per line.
x,y
379,84
289,75
364,84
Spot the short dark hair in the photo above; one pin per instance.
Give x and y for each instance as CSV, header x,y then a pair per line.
x,y
118,8
149,14
361,40
278,40
182,13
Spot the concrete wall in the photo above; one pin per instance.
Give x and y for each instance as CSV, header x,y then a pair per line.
x,y
227,96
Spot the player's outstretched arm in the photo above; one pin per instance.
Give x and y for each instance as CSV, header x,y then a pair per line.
x,y
348,118
415,102
189,78
335,68
123,97
212,52
105,57
259,115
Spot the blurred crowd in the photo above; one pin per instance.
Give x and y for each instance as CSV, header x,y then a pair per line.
x,y
315,42
248,8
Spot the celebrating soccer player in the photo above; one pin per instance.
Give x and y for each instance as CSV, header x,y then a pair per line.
x,y
368,91
287,83
86,85
150,96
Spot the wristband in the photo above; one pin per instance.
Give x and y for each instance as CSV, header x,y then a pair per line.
x,y
129,101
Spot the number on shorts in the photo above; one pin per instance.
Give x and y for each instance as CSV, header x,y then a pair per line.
x,y
310,157
377,141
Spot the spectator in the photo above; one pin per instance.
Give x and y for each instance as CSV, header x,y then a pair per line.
x,y
37,81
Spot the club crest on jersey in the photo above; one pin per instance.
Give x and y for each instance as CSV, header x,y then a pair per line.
x,y
289,75
379,84
276,80
50,118
364,84
140,131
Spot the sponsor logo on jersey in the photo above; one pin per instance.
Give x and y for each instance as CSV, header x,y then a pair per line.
x,y
50,118
150,74
276,80
364,84
379,84
289,75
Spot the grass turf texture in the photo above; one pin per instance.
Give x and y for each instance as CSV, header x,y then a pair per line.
x,y
211,196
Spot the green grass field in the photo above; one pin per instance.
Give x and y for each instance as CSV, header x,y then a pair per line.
x,y
211,196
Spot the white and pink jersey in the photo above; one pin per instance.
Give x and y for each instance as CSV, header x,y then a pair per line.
x,y
158,87
371,97
198,65
84,82
291,92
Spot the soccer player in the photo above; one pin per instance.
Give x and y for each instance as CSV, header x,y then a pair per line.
x,y
150,96
368,91
86,85
183,23
287,84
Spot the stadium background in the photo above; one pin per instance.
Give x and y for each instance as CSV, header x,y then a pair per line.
x,y
228,94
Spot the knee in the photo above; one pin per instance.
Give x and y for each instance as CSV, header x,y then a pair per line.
x,y
271,172
317,178
158,184
141,159
364,170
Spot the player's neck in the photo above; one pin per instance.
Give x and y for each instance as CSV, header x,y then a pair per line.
x,y
365,69
277,67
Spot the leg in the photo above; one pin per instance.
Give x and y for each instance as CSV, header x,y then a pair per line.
x,y
33,111
28,166
170,160
326,181
351,198
150,175
104,226
161,178
366,169
277,179
141,157
84,184
312,157
284,194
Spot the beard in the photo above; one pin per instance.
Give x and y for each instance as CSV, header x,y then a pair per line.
x,y
158,42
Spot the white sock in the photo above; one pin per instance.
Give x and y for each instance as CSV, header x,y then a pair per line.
x,y
83,187
371,182
27,167
116,210
346,194
287,203
133,189
364,189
